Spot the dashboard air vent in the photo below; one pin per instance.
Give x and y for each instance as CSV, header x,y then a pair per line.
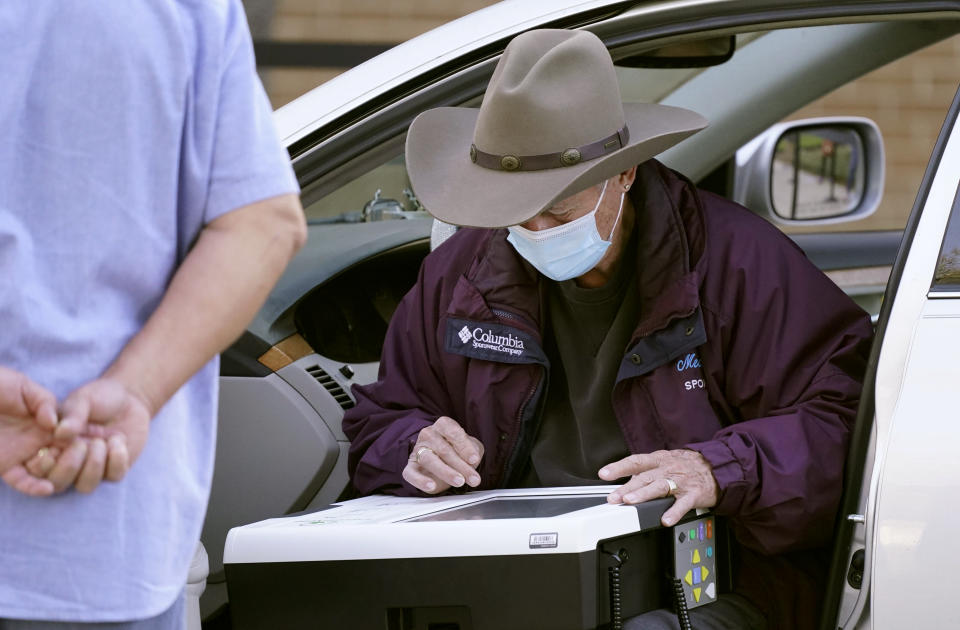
x,y
329,384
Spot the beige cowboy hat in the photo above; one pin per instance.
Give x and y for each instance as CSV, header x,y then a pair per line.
x,y
552,123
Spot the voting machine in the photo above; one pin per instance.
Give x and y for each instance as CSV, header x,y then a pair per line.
x,y
524,558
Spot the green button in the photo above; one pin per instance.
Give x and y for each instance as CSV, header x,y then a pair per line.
x,y
693,534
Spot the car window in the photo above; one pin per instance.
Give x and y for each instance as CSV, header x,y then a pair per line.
x,y
379,194
387,186
947,275
652,85
908,100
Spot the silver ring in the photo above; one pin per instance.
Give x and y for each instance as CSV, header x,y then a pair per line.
x,y
42,453
672,485
416,457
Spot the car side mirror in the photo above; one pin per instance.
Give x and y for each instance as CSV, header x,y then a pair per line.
x,y
812,172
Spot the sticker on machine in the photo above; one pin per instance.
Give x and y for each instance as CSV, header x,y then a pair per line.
x,y
543,541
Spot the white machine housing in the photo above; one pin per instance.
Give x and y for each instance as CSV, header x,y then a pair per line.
x,y
533,557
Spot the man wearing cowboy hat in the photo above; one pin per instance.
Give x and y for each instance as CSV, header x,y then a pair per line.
x,y
608,321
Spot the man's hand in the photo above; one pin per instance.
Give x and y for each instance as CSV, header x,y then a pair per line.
x,y
681,473
443,457
115,423
28,416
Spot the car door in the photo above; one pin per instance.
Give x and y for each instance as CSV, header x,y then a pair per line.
x,y
895,561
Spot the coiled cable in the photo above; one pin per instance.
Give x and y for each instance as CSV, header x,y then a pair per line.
x,y
616,592
680,602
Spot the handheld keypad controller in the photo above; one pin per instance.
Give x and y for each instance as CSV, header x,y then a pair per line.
x,y
695,560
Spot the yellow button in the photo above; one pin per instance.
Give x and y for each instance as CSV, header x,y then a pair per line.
x,y
696,556
703,572
688,578
696,593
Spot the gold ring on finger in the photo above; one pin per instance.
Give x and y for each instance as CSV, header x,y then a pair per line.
x,y
420,451
42,453
671,485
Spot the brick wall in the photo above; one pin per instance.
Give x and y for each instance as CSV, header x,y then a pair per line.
x,y
365,20
351,21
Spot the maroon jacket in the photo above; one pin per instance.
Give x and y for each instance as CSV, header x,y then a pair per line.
x,y
744,352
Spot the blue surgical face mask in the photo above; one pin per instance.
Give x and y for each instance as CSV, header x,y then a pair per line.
x,y
565,251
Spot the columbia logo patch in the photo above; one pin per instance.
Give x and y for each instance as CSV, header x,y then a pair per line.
x,y
492,342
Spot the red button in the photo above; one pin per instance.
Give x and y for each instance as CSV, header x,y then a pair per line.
x,y
709,528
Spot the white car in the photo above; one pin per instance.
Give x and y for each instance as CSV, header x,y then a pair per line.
x,y
745,65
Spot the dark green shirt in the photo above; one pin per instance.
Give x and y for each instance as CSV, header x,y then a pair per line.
x,y
587,334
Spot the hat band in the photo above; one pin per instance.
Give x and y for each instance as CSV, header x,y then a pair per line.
x,y
568,157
